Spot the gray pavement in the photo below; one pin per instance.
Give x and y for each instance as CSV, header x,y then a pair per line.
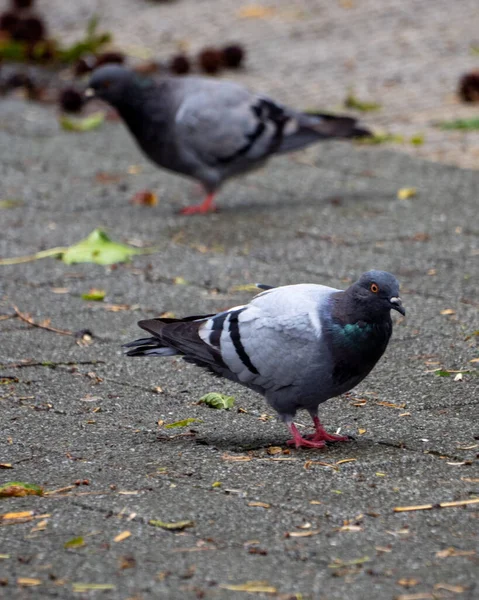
x,y
73,413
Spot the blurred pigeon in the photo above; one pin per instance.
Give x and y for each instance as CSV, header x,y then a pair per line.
x,y
207,129
298,345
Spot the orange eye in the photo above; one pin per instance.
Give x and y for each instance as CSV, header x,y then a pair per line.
x,y
374,288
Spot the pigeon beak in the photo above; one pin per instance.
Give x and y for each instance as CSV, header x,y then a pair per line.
x,y
89,93
396,304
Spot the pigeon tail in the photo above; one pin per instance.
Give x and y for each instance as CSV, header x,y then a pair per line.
x,y
337,126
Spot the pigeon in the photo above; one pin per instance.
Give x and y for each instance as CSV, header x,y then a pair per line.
x,y
297,345
208,129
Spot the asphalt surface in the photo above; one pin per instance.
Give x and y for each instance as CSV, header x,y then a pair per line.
x,y
85,413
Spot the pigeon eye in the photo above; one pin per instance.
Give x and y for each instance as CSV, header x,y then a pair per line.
x,y
374,288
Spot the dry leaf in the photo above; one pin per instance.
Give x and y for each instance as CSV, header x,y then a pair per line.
x,y
122,536
89,587
24,514
259,587
259,504
456,589
272,450
362,431
176,526
301,534
6,466
350,528
408,582
144,198
458,377
255,11
28,581
448,311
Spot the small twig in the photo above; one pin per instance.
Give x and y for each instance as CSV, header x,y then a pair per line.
x,y
440,505
31,322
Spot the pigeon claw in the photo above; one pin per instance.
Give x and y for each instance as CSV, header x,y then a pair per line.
x,y
301,442
322,435
207,206
304,443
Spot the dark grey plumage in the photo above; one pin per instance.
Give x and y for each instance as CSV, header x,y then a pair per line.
x,y
210,129
297,345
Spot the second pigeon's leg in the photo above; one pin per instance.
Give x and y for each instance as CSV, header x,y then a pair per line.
x,y
301,442
322,435
208,205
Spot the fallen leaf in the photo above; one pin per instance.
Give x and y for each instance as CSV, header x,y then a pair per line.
x,y
6,466
272,450
24,514
10,203
259,504
144,198
255,11
81,125
448,311
183,423
361,431
408,582
100,249
216,484
216,400
4,556
301,534
234,458
353,102
447,552
94,294
258,587
19,489
88,587
350,528
338,564
458,377
176,526
405,193
456,589
122,536
461,124
28,581
76,542
180,281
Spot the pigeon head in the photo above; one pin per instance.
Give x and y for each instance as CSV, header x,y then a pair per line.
x,y
377,292
112,83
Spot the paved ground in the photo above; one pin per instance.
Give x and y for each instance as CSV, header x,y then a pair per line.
x,y
72,413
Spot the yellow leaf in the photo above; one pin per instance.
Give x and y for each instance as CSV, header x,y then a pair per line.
x,y
448,311
405,193
259,587
361,431
408,582
177,525
122,536
87,587
272,450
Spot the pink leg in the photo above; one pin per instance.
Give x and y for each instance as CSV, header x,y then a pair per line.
x,y
322,435
299,441
206,206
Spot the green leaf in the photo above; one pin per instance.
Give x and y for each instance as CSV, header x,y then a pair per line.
x,y
94,294
76,542
215,400
183,423
100,249
381,138
417,140
12,50
176,526
86,124
353,102
10,203
442,373
18,489
461,124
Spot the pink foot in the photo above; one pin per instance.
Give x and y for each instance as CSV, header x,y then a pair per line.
x,y
206,206
322,435
301,442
